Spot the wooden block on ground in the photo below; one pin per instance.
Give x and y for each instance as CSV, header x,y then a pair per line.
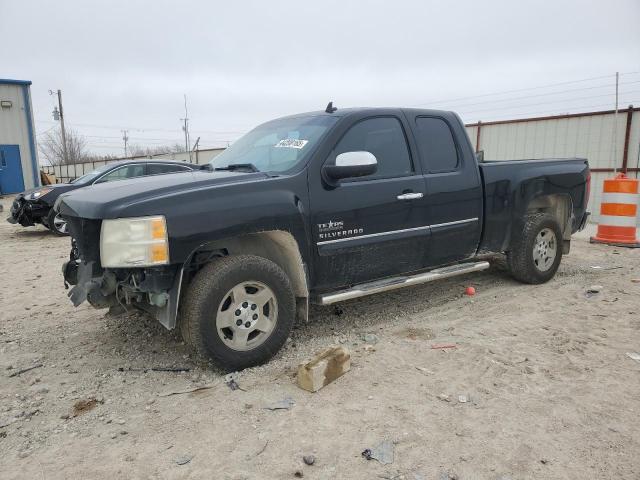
x,y
324,368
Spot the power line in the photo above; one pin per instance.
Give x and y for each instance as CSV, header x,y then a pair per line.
x,y
516,116
141,129
524,89
540,95
545,103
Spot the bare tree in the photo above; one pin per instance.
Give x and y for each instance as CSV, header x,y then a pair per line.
x,y
51,147
140,151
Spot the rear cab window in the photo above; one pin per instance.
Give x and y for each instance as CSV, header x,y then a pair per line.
x,y
436,145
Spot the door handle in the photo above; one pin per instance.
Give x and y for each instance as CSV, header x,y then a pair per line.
x,y
410,196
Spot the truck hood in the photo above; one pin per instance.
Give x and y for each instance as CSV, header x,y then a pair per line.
x,y
107,200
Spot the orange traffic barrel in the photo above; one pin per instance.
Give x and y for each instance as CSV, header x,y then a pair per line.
x,y
618,210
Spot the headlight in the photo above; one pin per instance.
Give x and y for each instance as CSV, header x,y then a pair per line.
x,y
134,242
38,193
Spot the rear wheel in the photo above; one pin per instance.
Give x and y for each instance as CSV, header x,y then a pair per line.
x,y
536,250
57,224
238,311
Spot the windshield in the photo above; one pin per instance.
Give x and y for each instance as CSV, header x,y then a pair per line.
x,y
87,177
276,146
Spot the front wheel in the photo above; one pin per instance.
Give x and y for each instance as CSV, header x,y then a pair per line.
x,y
57,224
536,250
238,311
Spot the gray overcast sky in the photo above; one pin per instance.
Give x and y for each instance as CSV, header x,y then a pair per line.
x,y
126,64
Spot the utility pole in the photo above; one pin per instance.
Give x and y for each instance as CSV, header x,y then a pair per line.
x,y
185,128
58,114
125,138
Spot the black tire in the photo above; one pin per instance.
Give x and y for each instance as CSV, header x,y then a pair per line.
x,y
206,294
51,225
520,257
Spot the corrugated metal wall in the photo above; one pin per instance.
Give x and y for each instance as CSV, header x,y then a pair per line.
x,y
588,135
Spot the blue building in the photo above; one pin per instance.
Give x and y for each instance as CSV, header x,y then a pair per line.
x,y
18,154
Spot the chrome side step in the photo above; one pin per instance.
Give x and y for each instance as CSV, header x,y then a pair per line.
x,y
400,282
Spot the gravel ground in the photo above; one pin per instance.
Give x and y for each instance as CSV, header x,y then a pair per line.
x,y
539,386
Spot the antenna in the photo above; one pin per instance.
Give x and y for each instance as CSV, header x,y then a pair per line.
x,y
330,108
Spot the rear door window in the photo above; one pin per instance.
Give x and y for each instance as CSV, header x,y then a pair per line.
x,y
436,145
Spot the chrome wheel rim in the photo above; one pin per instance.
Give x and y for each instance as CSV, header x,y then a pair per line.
x,y
59,224
247,315
545,249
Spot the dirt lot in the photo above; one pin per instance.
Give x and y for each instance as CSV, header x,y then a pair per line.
x,y
552,393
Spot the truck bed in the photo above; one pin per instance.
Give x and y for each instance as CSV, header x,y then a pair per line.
x,y
510,185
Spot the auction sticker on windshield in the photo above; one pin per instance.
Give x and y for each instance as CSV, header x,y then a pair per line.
x,y
291,143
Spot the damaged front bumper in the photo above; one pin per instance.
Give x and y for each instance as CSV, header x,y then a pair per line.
x,y
155,290
27,213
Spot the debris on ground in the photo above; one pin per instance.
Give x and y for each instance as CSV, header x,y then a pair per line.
x,y
324,368
261,451
426,371
448,476
190,390
593,290
370,338
25,370
155,369
444,397
443,346
183,459
6,423
231,381
85,405
635,280
470,291
285,404
463,398
415,333
634,356
383,452
309,459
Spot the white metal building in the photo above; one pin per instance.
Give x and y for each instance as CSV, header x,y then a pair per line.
x,y
18,153
610,141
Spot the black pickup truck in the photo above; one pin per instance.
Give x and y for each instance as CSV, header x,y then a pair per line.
x,y
318,207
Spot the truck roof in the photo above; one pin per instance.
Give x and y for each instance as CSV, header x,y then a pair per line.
x,y
344,112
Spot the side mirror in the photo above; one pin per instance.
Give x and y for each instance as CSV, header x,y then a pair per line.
x,y
352,164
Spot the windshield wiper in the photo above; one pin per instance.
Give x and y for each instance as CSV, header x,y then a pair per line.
x,y
249,167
